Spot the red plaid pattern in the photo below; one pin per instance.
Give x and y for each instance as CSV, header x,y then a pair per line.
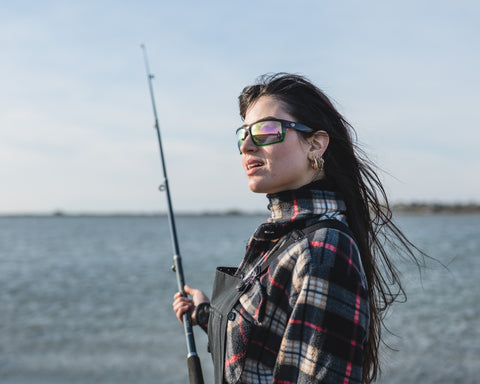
x,y
306,319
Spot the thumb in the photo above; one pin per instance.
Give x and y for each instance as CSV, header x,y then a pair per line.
x,y
189,290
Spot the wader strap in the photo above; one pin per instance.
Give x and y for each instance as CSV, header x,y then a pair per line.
x,y
292,238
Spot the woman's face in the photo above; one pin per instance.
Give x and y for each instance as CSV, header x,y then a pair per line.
x,y
276,167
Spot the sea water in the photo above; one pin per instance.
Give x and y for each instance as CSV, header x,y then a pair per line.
x,y
88,299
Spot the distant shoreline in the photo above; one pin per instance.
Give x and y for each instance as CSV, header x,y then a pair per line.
x,y
436,208
132,214
399,208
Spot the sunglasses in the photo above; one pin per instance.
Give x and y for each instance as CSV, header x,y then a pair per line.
x,y
268,131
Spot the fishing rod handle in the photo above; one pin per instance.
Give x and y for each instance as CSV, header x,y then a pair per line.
x,y
195,375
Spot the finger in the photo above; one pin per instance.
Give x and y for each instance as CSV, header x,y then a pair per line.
x,y
182,304
180,317
180,311
177,295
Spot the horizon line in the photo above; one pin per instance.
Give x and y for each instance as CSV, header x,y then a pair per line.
x,y
420,207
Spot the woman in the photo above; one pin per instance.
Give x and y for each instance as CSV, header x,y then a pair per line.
x,y
305,305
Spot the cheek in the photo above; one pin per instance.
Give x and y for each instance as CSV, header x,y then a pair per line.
x,y
290,163
287,157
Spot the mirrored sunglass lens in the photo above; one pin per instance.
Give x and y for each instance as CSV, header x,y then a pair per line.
x,y
267,132
241,136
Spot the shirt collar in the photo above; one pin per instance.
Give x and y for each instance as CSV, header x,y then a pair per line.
x,y
315,200
290,210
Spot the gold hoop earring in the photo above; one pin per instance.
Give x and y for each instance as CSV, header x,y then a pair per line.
x,y
322,164
318,163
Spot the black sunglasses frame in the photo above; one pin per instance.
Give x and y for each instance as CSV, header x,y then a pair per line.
x,y
285,124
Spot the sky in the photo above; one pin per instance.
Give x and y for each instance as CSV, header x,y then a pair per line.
x,y
76,123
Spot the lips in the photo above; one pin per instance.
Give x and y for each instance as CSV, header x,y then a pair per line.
x,y
252,165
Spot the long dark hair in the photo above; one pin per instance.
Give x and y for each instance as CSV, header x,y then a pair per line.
x,y
354,177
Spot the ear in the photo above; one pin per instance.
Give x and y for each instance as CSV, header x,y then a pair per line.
x,y
318,144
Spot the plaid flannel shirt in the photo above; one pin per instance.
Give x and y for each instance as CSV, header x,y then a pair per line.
x,y
306,319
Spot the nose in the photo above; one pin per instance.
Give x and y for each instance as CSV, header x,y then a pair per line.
x,y
247,145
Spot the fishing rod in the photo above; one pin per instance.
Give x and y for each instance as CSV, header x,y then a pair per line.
x,y
194,367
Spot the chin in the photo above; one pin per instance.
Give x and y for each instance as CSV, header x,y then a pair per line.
x,y
257,188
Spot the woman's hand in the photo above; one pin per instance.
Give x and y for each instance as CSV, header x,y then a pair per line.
x,y
182,304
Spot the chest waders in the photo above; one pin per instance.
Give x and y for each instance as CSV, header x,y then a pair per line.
x,y
227,289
